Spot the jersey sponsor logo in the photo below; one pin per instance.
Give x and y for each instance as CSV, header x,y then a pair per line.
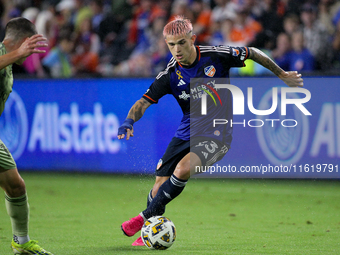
x,y
14,125
184,96
181,83
204,106
210,71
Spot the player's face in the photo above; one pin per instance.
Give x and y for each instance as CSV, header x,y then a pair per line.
x,y
182,48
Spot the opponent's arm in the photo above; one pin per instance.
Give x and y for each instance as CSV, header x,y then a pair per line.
x,y
136,112
8,59
27,48
291,78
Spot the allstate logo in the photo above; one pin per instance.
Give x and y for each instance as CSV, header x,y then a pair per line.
x,y
14,125
283,144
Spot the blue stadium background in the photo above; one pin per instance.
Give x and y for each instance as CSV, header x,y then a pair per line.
x,y
71,125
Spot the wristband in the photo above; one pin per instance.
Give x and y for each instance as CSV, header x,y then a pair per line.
x,y
129,121
127,124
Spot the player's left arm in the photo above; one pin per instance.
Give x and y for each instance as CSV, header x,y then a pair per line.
x,y
28,47
291,78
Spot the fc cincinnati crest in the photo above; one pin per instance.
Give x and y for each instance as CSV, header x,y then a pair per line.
x,y
210,71
160,162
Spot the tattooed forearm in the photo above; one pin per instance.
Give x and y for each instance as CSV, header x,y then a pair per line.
x,y
261,58
137,110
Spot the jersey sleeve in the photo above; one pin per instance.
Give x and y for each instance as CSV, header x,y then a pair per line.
x,y
237,56
159,88
2,73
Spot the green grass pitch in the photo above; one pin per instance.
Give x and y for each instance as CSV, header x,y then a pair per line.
x,y
81,214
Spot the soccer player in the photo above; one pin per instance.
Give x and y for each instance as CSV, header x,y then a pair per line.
x,y
192,145
21,40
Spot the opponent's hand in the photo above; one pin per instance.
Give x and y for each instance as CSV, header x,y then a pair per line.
x,y
126,129
292,79
30,45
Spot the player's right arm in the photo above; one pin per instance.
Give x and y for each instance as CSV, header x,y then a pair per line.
x,y
136,112
28,47
159,88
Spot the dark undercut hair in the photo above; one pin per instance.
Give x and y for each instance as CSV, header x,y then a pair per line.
x,y
19,28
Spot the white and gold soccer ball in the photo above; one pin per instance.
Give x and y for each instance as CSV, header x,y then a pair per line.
x,y
158,233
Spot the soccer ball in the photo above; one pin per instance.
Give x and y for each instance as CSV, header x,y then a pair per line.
x,y
158,233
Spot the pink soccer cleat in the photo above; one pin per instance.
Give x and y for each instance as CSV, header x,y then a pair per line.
x,y
133,225
138,242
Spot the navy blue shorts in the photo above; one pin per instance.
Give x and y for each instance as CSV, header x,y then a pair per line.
x,y
209,150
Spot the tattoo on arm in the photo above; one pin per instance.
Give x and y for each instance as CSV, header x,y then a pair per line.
x,y
261,58
137,110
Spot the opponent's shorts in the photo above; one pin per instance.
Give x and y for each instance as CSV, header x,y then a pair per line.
x,y
209,150
6,160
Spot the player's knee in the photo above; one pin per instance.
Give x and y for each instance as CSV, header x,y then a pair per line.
x,y
15,188
182,171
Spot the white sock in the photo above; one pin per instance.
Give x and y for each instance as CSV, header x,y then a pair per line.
x,y
21,239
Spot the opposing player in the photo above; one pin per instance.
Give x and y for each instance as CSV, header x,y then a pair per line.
x,y
21,40
192,145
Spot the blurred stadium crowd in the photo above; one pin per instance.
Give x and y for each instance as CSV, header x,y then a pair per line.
x,y
118,38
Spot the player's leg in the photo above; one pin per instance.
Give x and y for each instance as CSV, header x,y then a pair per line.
x,y
203,151
166,191
159,181
175,151
16,205
172,187
15,195
153,192
135,224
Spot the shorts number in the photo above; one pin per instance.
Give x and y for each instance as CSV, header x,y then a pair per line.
x,y
212,148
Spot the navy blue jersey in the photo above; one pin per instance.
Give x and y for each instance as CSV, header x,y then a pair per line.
x,y
211,62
